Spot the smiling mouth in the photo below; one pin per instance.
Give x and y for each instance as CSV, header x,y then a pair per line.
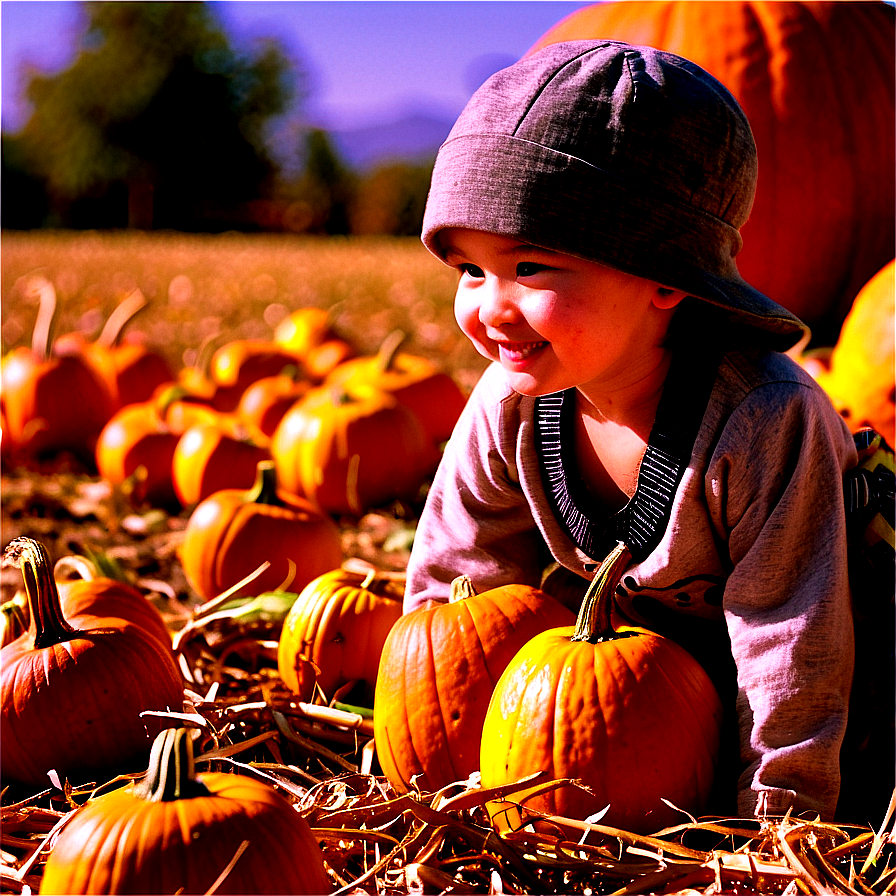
x,y
519,351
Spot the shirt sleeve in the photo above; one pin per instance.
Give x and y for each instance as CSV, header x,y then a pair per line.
x,y
776,486
477,520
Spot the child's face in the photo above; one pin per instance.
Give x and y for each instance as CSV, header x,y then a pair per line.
x,y
554,321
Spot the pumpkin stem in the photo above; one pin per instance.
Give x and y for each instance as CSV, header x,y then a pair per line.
x,y
116,321
264,491
593,624
42,335
171,774
44,607
461,589
389,349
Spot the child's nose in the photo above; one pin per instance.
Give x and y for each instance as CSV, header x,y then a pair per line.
x,y
498,305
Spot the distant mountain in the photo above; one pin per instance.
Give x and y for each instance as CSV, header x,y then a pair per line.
x,y
410,138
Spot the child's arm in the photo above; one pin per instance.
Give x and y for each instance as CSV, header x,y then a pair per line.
x,y
777,480
477,520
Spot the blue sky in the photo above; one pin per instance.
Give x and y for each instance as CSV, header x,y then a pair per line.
x,y
366,60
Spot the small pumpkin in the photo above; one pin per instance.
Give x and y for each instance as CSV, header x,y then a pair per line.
x,y
238,364
350,449
135,450
415,382
629,713
335,630
233,531
211,456
265,402
179,832
52,403
304,329
72,690
861,375
438,668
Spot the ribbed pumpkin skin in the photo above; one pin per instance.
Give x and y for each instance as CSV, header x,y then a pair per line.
x,y
76,706
636,719
119,843
228,537
860,380
437,672
816,82
339,624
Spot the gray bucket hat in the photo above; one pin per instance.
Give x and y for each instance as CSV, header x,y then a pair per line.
x,y
622,155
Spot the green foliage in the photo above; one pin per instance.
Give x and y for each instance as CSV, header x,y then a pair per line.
x,y
158,101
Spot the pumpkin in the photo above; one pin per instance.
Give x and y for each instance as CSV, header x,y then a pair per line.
x,y
350,449
861,376
179,832
82,590
72,690
211,456
816,83
304,329
130,369
264,403
238,364
180,408
335,630
135,451
51,403
438,668
233,531
629,713
417,383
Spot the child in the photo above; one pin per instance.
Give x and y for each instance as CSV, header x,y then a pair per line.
x,y
590,197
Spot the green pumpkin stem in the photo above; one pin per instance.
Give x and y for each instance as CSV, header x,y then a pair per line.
x,y
264,491
171,774
44,606
389,349
594,622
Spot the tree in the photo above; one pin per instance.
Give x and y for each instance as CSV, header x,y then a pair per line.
x,y
159,109
391,200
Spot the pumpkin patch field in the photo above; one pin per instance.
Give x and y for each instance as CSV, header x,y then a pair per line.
x,y
214,453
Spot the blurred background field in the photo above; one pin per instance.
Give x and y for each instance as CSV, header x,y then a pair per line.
x,y
205,290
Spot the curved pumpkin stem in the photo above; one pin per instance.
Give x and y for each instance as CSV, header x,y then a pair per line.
x,y
264,490
42,335
461,589
116,321
593,624
44,607
171,774
389,349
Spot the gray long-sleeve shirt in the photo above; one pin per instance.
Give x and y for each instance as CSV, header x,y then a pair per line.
x,y
756,543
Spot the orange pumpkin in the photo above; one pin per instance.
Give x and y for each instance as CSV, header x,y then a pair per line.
x,y
816,81
303,330
179,832
211,456
334,632
350,449
416,382
72,690
233,531
438,667
264,403
629,713
135,451
238,364
861,376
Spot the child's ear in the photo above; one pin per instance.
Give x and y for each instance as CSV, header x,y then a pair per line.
x,y
665,298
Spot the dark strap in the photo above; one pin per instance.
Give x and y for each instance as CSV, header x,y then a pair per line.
x,y
679,415
642,522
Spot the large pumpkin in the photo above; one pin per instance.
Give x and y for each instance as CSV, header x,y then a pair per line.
x,y
438,667
179,832
350,449
630,714
816,82
233,531
72,690
861,378
335,630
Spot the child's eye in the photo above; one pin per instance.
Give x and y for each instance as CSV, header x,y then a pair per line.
x,y
471,271
529,269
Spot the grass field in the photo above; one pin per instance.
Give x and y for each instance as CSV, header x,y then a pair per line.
x,y
217,288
